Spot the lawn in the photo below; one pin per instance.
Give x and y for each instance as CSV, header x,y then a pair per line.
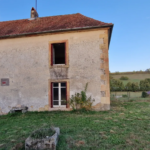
x,y
126,126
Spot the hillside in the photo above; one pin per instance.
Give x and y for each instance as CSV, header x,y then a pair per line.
x,y
133,76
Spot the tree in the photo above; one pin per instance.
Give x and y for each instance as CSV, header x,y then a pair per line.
x,y
148,80
147,70
128,88
144,85
135,86
116,85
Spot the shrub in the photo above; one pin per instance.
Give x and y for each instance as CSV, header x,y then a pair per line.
x,y
144,85
116,85
135,86
80,101
124,95
144,95
124,78
147,79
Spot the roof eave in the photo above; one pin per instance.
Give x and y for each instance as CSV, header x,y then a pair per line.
x,y
52,31
111,30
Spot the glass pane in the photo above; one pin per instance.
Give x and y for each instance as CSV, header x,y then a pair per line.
x,y
63,102
63,93
55,93
63,84
55,103
55,84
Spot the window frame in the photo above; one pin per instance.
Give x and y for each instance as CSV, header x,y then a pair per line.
x,y
51,54
51,92
59,94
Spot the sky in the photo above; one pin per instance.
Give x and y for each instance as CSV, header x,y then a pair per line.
x,y
130,42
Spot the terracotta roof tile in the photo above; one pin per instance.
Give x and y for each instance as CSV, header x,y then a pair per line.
x,y
44,24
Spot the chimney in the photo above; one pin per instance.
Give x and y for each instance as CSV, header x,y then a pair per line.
x,y
34,13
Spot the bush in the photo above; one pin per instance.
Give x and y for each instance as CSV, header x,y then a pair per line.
x,y
124,95
80,101
147,79
124,78
144,95
144,85
116,85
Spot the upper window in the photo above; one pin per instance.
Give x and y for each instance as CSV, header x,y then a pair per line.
x,y
58,52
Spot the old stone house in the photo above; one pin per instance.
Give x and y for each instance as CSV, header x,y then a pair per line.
x,y
45,60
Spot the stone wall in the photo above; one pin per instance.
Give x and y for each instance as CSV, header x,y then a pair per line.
x,y
25,61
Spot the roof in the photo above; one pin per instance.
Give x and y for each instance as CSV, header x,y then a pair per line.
x,y
48,24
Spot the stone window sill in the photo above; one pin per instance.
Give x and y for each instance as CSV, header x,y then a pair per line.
x,y
59,66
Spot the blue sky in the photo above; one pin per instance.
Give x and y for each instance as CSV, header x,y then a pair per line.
x,y
130,44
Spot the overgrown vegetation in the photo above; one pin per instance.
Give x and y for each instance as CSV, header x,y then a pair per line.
x,y
125,127
80,101
144,95
42,133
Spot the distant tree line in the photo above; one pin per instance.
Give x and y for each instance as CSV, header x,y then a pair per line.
x,y
117,85
147,70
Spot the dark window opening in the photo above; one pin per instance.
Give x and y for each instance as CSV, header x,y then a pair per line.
x,y
58,53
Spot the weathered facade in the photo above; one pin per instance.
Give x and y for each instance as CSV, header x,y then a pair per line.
x,y
26,61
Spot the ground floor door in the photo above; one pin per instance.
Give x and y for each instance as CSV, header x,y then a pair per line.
x,y
59,93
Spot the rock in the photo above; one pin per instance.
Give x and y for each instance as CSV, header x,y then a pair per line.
x,y
49,142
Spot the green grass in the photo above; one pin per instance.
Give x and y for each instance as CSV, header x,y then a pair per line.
x,y
132,94
130,80
126,126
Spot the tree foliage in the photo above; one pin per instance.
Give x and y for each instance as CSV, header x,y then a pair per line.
x,y
144,94
116,85
135,86
144,85
147,70
128,86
